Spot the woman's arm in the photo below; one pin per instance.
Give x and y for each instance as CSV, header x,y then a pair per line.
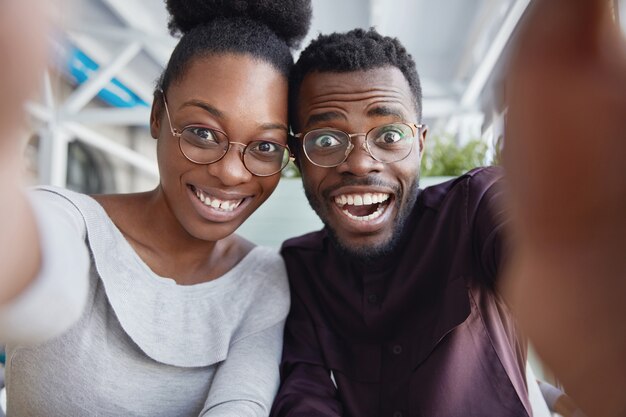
x,y
20,254
245,384
51,263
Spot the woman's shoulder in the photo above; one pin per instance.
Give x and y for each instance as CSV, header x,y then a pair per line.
x,y
263,290
265,263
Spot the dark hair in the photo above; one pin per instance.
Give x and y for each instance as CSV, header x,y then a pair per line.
x,y
265,29
355,50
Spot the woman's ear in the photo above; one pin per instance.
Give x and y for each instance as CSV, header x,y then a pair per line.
x,y
155,115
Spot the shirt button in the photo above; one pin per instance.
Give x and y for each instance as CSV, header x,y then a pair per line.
x,y
397,414
397,349
372,298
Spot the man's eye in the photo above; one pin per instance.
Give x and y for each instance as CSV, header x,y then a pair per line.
x,y
326,141
389,137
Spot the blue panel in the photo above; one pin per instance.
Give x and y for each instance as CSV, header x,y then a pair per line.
x,y
81,68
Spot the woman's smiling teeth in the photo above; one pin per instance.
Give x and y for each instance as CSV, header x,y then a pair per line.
x,y
362,207
216,203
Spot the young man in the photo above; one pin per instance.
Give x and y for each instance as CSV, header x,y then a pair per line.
x,y
395,310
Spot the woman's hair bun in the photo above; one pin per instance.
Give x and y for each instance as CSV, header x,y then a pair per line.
x,y
289,19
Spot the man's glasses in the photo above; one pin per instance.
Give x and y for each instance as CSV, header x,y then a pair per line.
x,y
328,147
205,145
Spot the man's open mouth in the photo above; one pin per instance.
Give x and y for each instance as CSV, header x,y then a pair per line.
x,y
363,207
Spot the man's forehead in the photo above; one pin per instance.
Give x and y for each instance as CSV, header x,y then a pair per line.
x,y
360,91
319,85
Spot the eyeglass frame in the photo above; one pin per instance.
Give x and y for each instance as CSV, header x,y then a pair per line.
x,y
415,128
179,134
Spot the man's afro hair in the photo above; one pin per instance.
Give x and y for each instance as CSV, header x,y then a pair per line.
x,y
355,50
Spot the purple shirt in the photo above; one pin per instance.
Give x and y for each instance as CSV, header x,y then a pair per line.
x,y
422,333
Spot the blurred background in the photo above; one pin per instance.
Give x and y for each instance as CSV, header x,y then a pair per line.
x,y
90,123
89,129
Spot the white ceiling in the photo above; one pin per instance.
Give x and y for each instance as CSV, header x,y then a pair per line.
x,y
457,45
449,39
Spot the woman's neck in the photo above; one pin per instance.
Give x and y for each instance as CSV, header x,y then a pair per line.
x,y
149,225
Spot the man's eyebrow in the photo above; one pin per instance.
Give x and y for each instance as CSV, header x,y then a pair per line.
x,y
324,117
205,106
386,111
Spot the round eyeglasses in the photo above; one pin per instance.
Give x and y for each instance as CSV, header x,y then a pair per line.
x,y
388,143
206,145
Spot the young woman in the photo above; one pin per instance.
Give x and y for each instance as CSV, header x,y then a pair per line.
x,y
178,315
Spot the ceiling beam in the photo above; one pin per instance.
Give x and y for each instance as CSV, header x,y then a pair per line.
x,y
134,116
123,34
488,63
98,80
136,17
111,147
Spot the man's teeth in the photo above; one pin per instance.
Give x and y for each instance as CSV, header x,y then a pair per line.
x,y
372,216
216,203
361,199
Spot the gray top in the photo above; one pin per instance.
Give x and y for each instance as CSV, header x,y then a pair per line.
x,y
145,346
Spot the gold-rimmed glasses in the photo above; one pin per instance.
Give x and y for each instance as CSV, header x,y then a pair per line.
x,y
206,145
328,147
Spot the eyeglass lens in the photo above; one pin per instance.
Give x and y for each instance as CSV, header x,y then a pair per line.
x,y
204,146
387,143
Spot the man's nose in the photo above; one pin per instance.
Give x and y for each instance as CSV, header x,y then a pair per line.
x,y
359,161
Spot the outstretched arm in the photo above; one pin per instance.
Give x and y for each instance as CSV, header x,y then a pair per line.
x,y
565,150
20,254
24,44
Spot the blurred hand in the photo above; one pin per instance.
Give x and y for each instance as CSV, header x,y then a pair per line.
x,y
565,155
22,48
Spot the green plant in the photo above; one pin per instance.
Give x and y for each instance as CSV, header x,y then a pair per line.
x,y
444,157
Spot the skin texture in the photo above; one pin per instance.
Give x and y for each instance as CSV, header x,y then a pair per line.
x,y
356,102
565,148
23,25
247,99
24,45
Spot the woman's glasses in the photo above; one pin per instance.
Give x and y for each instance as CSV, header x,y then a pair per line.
x,y
204,145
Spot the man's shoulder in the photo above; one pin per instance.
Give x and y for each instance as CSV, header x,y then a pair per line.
x,y
313,241
477,180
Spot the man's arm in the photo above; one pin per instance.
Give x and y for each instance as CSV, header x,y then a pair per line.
x,y
488,218
565,150
306,389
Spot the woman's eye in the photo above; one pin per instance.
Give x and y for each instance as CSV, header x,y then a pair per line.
x,y
326,141
266,147
204,134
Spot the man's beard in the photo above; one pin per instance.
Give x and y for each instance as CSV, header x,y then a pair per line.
x,y
374,253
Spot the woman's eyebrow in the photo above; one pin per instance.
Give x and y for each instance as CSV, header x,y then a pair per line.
x,y
220,115
205,106
274,126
